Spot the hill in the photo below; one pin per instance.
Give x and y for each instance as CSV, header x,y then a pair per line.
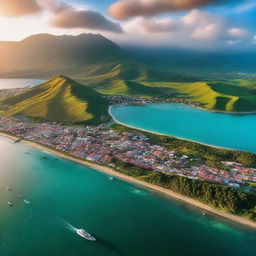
x,y
60,99
46,55
231,95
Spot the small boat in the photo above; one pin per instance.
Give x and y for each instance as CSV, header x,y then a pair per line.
x,y
26,201
20,196
85,235
203,213
111,178
8,188
9,203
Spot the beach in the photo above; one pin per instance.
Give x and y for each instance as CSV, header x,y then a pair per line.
x,y
109,171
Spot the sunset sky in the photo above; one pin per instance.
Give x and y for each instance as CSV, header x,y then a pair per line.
x,y
209,24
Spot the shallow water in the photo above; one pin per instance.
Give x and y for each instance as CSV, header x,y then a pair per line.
x,y
18,83
218,129
125,219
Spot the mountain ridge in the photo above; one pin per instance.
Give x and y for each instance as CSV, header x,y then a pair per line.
x,y
60,99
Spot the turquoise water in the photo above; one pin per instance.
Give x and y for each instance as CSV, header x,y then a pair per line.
x,y
223,130
18,83
126,219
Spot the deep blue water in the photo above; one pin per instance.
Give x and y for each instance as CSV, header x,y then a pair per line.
x,y
126,220
18,83
223,130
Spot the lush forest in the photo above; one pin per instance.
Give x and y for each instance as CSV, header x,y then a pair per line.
x,y
217,196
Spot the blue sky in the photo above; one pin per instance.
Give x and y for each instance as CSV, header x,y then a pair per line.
x,y
209,24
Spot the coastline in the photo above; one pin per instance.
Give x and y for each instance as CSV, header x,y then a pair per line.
x,y
109,171
163,134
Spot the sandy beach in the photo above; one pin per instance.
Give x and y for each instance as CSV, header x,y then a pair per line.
x,y
234,218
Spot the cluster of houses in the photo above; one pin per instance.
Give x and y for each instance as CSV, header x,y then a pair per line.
x,y
103,145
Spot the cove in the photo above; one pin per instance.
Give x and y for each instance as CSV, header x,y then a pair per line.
x,y
233,131
126,219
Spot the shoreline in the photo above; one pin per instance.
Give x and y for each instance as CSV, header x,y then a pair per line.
x,y
163,191
163,134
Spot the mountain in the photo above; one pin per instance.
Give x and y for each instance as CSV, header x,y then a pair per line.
x,y
60,99
45,55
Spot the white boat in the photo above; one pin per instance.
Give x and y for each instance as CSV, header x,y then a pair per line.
x,y
9,203
85,235
26,201
8,188
111,178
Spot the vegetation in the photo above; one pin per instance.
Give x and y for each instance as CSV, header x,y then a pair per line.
x,y
133,79
217,196
212,155
60,99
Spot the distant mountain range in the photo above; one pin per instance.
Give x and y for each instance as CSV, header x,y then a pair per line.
x,y
60,99
45,55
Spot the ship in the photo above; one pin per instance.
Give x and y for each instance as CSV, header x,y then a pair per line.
x,y
9,203
85,235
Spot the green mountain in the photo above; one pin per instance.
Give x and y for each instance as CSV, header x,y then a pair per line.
x,y
60,99
103,66
231,95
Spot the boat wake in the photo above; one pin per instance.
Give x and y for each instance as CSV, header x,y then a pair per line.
x,y
68,226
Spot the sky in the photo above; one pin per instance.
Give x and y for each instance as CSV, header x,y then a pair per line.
x,y
200,24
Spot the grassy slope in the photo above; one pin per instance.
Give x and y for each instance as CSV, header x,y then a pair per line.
x,y
60,99
128,79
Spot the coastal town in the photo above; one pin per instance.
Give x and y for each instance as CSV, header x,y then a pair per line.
x,y
103,145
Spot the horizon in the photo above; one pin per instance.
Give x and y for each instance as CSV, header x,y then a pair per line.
x,y
200,25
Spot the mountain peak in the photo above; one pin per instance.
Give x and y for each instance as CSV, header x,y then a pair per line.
x,y
45,55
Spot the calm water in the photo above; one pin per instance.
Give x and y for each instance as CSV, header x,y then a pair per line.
x,y
18,83
126,220
218,129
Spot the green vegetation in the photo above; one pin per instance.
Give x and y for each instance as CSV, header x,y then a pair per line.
x,y
133,79
60,99
212,155
217,196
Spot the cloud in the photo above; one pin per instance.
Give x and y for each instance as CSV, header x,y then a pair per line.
x,y
238,33
126,9
198,29
55,6
158,26
73,18
19,8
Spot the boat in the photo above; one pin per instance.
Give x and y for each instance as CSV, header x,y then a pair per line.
x,y
111,178
85,235
26,201
8,188
9,203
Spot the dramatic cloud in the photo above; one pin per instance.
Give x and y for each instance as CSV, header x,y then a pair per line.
x,y
19,8
197,29
73,18
125,9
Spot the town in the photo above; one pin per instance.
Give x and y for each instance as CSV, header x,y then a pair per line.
x,y
102,145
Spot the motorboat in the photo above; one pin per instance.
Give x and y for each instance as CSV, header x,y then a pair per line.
x,y
10,204
85,235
